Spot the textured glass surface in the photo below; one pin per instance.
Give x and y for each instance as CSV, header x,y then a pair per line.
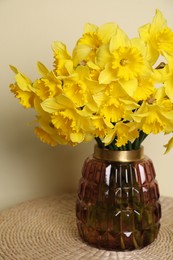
x,y
118,204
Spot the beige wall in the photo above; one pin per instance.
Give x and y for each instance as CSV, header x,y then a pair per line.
x,y
29,168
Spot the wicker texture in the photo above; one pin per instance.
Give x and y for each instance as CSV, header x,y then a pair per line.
x,y
45,229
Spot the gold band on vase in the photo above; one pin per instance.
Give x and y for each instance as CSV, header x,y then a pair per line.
x,y
118,156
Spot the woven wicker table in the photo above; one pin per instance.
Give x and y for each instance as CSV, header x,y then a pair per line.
x,y
45,229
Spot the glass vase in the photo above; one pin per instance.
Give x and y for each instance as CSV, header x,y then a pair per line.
x,y
117,205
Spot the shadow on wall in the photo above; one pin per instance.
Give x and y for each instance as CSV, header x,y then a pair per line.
x,y
37,168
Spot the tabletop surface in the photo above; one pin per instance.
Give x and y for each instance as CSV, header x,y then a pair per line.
x,y
45,229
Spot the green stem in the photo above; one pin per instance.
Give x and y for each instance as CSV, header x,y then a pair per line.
x,y
110,147
114,146
129,145
99,142
143,136
137,143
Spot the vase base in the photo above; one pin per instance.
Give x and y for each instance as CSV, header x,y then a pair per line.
x,y
127,241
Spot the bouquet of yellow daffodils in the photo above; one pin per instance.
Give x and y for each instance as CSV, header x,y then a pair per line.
x,y
113,89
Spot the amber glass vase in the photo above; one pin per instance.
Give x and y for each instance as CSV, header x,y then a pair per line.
x,y
118,204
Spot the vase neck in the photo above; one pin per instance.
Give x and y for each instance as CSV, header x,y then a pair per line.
x,y
118,156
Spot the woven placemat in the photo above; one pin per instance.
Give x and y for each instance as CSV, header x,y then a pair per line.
x,y
45,229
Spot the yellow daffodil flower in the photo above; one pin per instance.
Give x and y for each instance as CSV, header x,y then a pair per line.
x,y
111,87
155,115
158,36
63,64
124,60
169,145
122,133
45,88
23,89
93,37
139,88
